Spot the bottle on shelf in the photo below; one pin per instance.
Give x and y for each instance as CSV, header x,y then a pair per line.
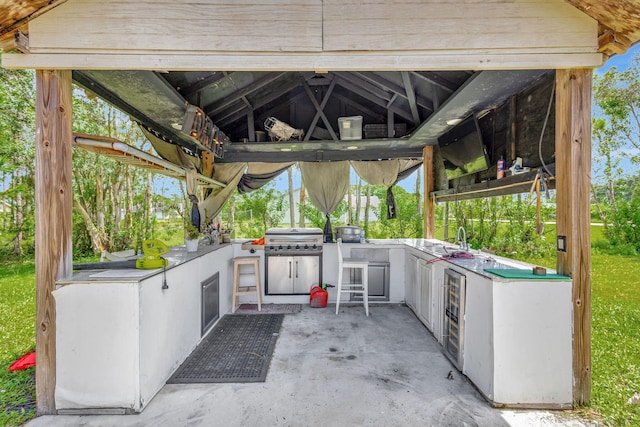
x,y
501,167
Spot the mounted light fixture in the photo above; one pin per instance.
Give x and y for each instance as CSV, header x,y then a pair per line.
x,y
453,122
198,126
352,147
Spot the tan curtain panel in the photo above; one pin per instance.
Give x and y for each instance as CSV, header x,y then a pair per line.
x,y
230,174
259,168
326,183
380,172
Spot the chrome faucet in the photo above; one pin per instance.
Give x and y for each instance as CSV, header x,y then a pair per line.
x,y
461,237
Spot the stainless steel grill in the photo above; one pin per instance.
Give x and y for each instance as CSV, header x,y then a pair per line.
x,y
293,241
293,260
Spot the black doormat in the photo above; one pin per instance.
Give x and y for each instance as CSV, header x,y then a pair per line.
x,y
237,350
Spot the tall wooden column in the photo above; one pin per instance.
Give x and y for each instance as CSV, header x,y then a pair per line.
x,y
429,205
573,181
53,220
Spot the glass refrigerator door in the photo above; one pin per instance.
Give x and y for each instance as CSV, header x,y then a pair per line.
x,y
454,315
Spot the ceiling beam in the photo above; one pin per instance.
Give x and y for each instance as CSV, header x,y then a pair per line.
x,y
278,92
271,152
436,79
201,84
219,105
358,106
319,108
293,97
381,102
394,88
411,96
316,117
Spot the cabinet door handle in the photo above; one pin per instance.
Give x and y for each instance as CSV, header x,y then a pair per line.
x,y
296,268
290,269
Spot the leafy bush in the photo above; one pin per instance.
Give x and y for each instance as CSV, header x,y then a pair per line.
x,y
624,230
506,225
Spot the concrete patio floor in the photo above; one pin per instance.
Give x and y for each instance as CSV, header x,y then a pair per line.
x,y
328,370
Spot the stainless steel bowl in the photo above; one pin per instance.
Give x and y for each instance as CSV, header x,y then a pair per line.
x,y
349,233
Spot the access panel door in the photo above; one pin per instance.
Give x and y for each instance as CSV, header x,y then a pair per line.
x,y
306,273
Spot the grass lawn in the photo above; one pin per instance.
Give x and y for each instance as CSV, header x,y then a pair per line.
x,y
615,337
17,334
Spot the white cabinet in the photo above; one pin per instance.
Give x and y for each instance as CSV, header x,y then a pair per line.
x,y
411,281
119,337
426,294
292,274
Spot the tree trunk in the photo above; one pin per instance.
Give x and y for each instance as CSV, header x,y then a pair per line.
x,y
97,238
148,206
367,208
292,208
303,196
116,186
419,218
100,199
128,190
232,210
358,201
349,206
4,205
446,221
17,242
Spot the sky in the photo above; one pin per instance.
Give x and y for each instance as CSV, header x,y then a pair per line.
x,y
621,62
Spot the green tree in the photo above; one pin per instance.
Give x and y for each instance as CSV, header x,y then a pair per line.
x,y
257,211
17,153
408,222
616,136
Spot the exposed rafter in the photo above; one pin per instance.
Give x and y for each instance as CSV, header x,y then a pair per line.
x,y
220,104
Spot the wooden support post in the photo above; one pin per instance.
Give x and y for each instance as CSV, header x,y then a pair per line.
x,y
53,220
573,180
429,204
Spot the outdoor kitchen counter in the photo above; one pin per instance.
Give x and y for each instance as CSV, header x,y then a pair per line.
x,y
176,256
120,337
515,332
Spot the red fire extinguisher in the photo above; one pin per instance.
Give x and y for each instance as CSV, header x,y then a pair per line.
x,y
318,296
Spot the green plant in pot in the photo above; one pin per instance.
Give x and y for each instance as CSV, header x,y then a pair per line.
x,y
191,237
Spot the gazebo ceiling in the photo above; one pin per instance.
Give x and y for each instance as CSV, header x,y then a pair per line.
x,y
419,103
402,110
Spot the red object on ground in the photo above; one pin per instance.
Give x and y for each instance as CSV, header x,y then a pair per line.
x,y
26,361
318,297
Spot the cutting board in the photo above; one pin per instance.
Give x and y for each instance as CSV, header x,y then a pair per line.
x,y
516,273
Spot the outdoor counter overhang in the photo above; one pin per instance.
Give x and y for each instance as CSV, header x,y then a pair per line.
x,y
334,52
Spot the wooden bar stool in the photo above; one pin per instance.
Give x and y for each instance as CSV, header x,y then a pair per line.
x,y
246,290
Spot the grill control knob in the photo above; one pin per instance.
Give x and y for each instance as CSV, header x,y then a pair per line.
x,y
288,246
271,247
315,246
280,247
297,246
306,246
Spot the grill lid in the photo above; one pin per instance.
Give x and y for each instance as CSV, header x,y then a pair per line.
x,y
293,231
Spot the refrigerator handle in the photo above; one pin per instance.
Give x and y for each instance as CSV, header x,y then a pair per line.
x,y
296,268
